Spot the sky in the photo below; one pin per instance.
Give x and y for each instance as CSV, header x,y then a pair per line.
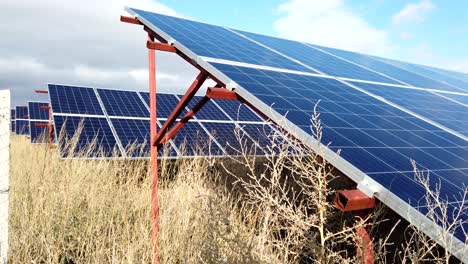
x,y
82,42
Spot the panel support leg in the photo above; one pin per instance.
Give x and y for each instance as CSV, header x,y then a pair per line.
x,y
154,153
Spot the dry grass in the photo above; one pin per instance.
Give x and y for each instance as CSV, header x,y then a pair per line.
x,y
78,211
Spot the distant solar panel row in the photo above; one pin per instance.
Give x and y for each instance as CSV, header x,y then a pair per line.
x,y
21,120
13,118
117,122
38,113
378,126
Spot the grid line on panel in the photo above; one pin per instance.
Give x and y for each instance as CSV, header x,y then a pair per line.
x,y
91,130
117,139
214,41
377,149
36,112
438,109
74,100
122,103
317,60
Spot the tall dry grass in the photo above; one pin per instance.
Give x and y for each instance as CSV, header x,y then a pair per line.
x,y
274,209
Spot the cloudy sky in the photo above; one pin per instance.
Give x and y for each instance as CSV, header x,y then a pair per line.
x,y
82,42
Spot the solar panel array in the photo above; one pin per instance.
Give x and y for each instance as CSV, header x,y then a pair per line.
x,y
21,120
380,113
13,118
38,121
117,122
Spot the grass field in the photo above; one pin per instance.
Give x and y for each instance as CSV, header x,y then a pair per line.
x,y
77,211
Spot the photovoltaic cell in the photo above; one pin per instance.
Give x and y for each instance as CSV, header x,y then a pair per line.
x,y
21,112
373,136
135,135
22,127
209,111
74,100
459,98
445,112
13,126
37,111
38,132
237,111
317,59
233,139
165,103
123,103
79,133
457,85
192,140
216,42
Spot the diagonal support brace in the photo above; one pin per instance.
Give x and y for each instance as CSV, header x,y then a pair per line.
x,y
197,83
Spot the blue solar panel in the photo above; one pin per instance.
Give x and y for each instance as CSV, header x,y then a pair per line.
x,y
216,42
37,112
192,140
21,112
457,97
94,139
317,59
38,132
13,114
373,136
462,76
232,139
123,103
165,104
74,100
389,70
22,127
237,111
210,111
135,136
458,85
13,126
445,112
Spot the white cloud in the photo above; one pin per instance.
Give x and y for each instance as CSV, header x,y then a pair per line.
x,y
405,35
330,23
80,42
414,12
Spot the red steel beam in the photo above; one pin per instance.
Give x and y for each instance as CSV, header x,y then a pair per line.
x,y
42,91
130,20
45,107
154,152
197,83
41,125
360,205
184,120
22,106
160,46
221,93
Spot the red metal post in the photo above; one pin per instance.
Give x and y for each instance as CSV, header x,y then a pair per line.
x,y
154,152
130,20
360,205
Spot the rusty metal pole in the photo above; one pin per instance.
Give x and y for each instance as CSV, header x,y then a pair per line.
x,y
154,153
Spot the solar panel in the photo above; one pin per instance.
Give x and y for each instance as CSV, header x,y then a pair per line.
x,y
22,127
21,120
430,105
74,100
378,134
123,125
38,113
122,103
13,117
217,42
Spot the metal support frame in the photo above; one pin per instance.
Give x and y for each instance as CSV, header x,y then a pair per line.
x,y
50,124
360,205
169,129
